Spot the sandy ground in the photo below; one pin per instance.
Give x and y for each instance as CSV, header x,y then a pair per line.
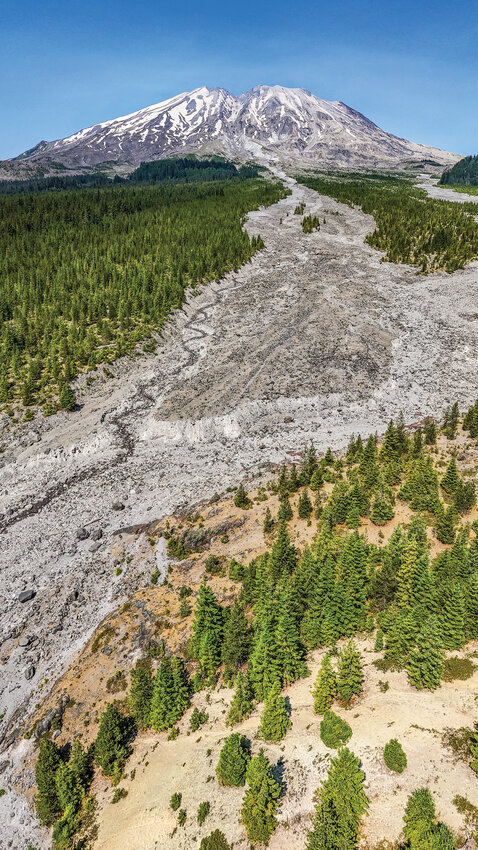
x,y
316,338
144,821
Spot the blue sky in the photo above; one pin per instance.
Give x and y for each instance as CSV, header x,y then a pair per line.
x,y
412,67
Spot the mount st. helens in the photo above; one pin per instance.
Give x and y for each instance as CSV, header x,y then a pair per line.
x,y
268,123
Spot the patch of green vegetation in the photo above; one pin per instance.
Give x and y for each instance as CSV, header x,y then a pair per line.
x,y
458,668
334,731
458,741
102,638
86,275
119,794
410,227
394,756
463,173
470,812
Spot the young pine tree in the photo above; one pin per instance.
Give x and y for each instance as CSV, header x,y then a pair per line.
x,y
425,664
274,719
241,705
233,761
304,507
237,637
421,828
209,622
445,524
325,688
451,478
241,499
349,674
342,804
67,398
285,511
259,806
111,745
268,524
141,692
283,558
46,802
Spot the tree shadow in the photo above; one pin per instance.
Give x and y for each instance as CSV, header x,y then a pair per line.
x,y
278,774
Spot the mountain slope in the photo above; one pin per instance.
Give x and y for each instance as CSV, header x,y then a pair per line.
x,y
269,123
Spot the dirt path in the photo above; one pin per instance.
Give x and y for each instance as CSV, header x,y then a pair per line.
x,y
313,339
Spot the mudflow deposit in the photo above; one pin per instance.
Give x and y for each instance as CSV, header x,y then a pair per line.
x,y
314,339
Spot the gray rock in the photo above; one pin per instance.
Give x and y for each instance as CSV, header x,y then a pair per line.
x,y
56,734
26,595
106,650
95,546
97,535
118,506
23,641
82,533
30,672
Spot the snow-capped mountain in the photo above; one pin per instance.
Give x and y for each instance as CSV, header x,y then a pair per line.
x,y
267,123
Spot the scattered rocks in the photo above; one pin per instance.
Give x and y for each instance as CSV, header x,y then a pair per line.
x,y
26,595
107,650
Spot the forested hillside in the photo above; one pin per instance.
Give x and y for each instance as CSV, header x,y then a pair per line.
x,y
86,275
282,605
463,173
410,227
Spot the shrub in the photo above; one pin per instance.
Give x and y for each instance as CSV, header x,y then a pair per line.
x,y
197,719
182,817
233,760
119,794
215,841
175,801
203,811
394,756
334,731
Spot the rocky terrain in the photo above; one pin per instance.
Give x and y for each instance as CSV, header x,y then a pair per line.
x,y
316,338
273,122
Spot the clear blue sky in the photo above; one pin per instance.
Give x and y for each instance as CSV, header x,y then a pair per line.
x,y
412,67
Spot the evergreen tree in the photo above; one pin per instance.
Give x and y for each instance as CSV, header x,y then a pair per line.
x,y
283,559
268,524
304,505
141,692
464,496
241,705
233,760
342,804
67,398
68,789
283,482
274,719
241,499
430,432
474,752
111,745
237,639
264,662
353,519
208,623
285,512
259,806
170,697
349,673
422,830
317,479
425,665
290,649
325,688
80,765
294,482
452,617
394,757
451,478
215,841
378,641
46,802
445,525
382,511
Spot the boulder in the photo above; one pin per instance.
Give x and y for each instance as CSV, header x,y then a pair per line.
x,y
26,595
23,641
30,672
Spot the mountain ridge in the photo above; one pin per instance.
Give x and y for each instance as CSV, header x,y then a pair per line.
x,y
268,123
